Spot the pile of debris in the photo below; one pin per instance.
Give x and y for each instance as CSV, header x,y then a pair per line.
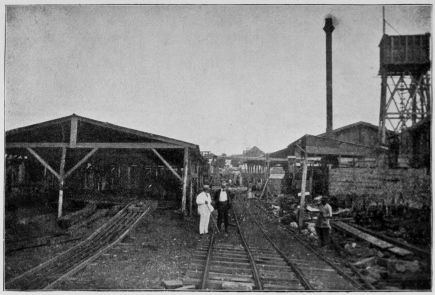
x,y
386,271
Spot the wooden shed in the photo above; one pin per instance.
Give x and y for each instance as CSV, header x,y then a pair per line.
x,y
77,154
362,133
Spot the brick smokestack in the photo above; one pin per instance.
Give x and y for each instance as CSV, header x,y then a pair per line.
x,y
328,28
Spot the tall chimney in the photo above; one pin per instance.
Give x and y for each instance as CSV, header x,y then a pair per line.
x,y
328,28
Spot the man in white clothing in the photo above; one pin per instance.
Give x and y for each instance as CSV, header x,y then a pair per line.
x,y
203,200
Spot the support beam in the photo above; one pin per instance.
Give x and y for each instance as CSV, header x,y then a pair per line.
x,y
38,157
185,178
167,164
73,135
61,182
80,162
90,145
128,145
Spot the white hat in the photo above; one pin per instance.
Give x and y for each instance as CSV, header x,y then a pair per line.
x,y
205,186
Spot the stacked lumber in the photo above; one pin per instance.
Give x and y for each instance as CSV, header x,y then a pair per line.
x,y
73,218
39,241
76,227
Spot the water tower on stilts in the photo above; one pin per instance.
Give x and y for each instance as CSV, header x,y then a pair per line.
x,y
405,90
405,93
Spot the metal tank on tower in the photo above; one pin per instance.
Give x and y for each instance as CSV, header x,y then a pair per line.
x,y
405,91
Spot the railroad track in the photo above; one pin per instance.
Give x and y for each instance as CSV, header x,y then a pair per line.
x,y
49,273
254,261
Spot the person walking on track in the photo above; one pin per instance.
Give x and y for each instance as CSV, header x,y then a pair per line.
x,y
223,198
203,200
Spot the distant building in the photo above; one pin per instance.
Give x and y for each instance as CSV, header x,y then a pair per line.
x,y
253,152
357,139
207,154
362,133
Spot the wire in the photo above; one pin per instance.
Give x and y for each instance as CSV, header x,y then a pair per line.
x,y
392,27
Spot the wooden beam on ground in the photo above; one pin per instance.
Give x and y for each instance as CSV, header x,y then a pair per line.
x,y
38,157
167,164
185,177
73,135
80,163
61,182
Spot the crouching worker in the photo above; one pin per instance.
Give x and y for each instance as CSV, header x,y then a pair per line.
x,y
323,227
203,200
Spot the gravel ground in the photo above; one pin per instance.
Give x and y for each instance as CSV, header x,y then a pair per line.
x,y
160,248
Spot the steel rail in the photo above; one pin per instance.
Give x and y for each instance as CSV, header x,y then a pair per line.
x,y
75,256
68,262
78,267
72,258
44,264
207,261
295,269
251,258
88,252
322,257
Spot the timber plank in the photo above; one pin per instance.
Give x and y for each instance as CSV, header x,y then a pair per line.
x,y
400,251
240,277
231,278
268,258
282,262
227,269
270,287
373,240
229,259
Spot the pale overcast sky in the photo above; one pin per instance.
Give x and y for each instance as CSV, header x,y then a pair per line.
x,y
224,77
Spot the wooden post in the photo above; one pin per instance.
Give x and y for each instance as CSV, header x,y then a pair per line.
x,y
291,170
61,182
128,176
197,178
310,183
185,176
190,191
304,182
268,165
191,197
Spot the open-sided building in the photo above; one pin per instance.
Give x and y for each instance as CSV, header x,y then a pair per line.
x,y
80,158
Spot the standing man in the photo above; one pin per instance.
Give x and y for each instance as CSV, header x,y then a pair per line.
x,y
323,227
203,200
223,203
